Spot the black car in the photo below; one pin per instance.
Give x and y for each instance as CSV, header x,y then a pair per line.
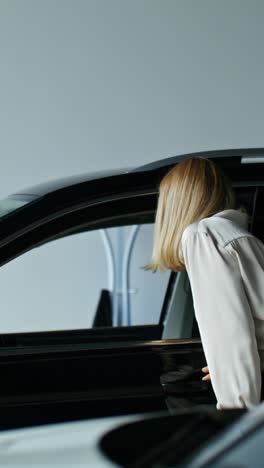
x,y
115,363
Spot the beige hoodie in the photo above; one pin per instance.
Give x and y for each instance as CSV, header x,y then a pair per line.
x,y
225,264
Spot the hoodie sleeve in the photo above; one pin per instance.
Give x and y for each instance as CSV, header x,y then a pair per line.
x,y
225,321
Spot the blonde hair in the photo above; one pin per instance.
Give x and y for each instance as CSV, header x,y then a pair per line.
x,y
193,189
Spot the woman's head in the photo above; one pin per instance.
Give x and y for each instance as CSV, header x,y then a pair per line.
x,y
193,189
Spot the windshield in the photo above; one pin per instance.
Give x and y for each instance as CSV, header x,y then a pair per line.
x,y
9,204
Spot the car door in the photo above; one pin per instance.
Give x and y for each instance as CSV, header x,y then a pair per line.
x,y
77,363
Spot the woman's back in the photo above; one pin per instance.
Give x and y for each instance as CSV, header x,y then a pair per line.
x,y
225,264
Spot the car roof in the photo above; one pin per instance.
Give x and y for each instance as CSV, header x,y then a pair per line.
x,y
243,155
57,184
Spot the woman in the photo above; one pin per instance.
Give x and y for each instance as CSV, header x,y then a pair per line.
x,y
197,228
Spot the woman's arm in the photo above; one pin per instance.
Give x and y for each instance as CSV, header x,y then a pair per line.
x,y
225,322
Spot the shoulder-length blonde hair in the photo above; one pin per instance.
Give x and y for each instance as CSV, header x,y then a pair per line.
x,y
193,189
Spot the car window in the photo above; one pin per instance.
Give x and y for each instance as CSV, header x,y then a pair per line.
x,y
82,280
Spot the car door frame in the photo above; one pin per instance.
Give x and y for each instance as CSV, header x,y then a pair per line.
x,y
104,376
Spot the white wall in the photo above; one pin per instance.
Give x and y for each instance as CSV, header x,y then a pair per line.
x,y
93,84
89,84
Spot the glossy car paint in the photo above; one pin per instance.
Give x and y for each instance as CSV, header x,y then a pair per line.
x,y
68,445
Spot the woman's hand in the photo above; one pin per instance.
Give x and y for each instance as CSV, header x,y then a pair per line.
x,y
207,377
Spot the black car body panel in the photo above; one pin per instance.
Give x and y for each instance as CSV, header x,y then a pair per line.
x,y
59,383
